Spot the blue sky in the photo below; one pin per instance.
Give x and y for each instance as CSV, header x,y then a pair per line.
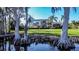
x,y
45,12
40,12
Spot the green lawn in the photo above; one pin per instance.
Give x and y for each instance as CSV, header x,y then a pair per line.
x,y
56,32
71,32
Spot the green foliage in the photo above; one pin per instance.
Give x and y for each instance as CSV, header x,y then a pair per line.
x,y
74,24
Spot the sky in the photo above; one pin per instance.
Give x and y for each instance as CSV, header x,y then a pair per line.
x,y
45,12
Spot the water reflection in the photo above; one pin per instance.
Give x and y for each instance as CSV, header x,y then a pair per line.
x,y
77,47
41,47
37,47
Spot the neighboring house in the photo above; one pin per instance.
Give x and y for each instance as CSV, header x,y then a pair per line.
x,y
44,23
35,24
38,23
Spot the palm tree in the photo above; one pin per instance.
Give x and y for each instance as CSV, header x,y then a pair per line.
x,y
61,20
52,19
62,17
64,43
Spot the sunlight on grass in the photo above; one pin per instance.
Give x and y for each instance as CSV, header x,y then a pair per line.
x,y
71,32
57,32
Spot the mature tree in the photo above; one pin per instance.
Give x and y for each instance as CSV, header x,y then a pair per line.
x,y
17,14
64,43
28,19
17,36
3,15
26,24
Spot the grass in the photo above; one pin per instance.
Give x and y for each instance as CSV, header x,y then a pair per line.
x,y
56,32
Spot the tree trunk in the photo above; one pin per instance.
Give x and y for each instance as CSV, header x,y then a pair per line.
x,y
26,25
17,36
26,29
64,34
5,32
64,43
8,24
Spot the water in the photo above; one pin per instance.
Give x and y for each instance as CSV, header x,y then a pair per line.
x,y
77,47
11,47
41,47
47,47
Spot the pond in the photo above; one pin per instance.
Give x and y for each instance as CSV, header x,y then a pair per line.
x,y
77,47
47,47
39,47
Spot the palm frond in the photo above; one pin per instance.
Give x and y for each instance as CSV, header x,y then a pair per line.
x,y
75,9
54,9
